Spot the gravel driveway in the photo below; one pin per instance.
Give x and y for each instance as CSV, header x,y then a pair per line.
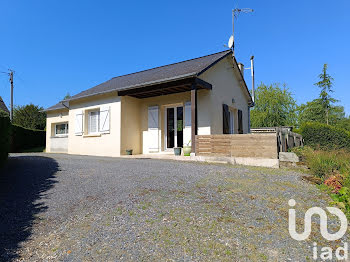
x,y
80,208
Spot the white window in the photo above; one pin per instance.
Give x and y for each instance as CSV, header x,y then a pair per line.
x,y
94,122
232,122
61,129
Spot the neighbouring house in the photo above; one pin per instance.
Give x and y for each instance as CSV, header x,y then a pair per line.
x,y
3,107
153,110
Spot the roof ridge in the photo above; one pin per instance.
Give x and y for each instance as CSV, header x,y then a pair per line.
x,y
169,64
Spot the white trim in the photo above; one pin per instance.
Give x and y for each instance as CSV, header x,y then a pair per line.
x,y
66,129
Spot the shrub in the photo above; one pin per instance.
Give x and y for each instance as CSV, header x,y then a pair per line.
x,y
23,138
5,127
297,130
325,163
333,169
322,136
335,183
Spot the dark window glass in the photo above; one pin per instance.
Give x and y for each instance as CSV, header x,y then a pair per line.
x,y
170,127
180,124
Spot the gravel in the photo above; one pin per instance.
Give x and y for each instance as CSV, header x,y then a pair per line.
x,y
57,207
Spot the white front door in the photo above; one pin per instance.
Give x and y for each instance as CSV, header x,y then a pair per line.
x,y
174,127
153,129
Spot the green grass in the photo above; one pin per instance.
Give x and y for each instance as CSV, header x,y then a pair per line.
x,y
332,167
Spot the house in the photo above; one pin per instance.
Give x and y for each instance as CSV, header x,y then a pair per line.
x,y
153,110
3,107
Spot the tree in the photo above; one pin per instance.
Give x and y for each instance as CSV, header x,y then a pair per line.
x,y
326,84
29,116
314,111
274,106
344,123
67,96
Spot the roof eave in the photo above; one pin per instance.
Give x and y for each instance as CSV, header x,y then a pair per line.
x,y
165,80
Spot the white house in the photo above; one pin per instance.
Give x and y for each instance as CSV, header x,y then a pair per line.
x,y
153,110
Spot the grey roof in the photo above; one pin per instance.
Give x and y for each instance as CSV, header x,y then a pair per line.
x,y
3,106
162,74
55,107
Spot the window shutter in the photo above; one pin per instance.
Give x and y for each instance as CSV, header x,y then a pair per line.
x,y
240,122
79,123
153,128
104,119
226,119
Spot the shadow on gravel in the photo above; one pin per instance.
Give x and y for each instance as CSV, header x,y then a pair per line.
x,y
23,183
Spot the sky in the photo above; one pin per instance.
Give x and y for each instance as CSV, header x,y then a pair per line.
x,y
57,47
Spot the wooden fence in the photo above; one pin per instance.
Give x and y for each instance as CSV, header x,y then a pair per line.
x,y
285,137
238,145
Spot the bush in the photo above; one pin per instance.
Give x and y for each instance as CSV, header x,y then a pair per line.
x,y
5,127
324,164
333,169
322,136
23,138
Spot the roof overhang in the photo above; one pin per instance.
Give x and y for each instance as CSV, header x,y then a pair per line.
x,y
167,88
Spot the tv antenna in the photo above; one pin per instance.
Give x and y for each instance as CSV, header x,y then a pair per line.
x,y
235,13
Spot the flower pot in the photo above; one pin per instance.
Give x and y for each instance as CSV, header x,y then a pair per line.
x,y
129,151
187,150
177,151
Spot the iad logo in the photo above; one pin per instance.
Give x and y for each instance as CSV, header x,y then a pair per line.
x,y
323,222
326,253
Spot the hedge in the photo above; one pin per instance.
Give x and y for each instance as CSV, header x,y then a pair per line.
x,y
23,138
5,128
322,136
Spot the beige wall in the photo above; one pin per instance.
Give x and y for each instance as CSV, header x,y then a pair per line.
x,y
54,144
226,86
103,144
130,125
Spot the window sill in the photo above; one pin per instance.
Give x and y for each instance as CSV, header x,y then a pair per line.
x,y
62,136
92,135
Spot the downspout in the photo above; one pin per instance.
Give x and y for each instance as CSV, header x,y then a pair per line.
x,y
253,89
252,74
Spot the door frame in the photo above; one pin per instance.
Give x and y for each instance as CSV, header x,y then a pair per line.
x,y
175,124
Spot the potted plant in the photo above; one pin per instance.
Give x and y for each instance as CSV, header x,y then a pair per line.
x,y
187,149
129,151
177,151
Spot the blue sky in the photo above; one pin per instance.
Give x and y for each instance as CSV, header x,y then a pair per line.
x,y
64,46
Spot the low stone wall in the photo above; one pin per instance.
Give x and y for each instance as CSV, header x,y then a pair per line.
x,y
238,145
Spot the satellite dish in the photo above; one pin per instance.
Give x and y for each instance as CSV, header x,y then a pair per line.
x,y
230,42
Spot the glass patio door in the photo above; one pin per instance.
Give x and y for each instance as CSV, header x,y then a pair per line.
x,y
174,127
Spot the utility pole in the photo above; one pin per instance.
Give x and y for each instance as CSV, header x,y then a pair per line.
x,y
10,74
11,81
